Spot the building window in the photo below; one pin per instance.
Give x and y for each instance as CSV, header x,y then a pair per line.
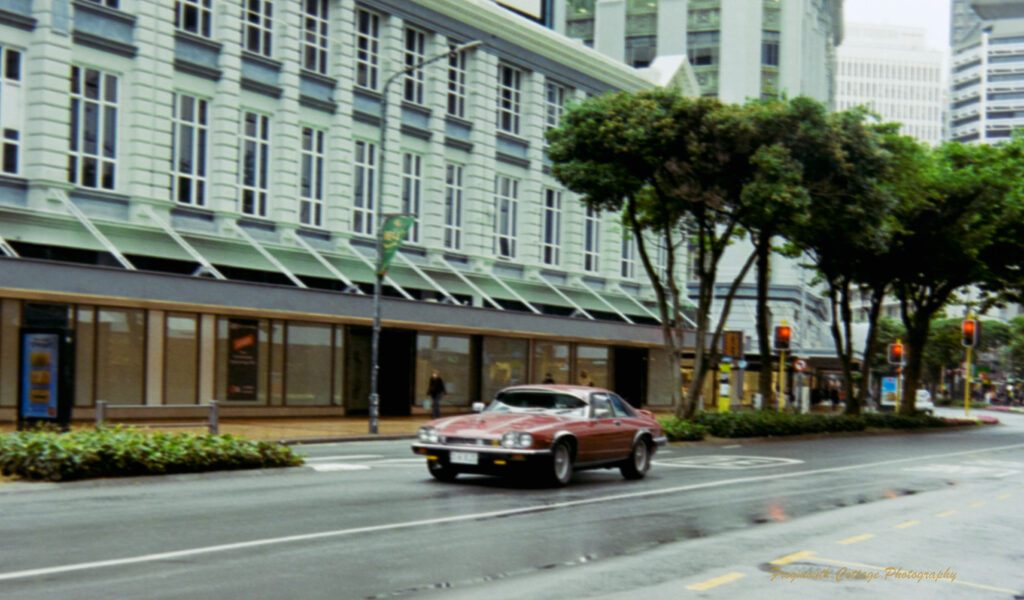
x,y
456,83
194,16
311,185
255,167
628,265
412,189
554,105
509,99
188,148
506,198
181,358
551,237
770,48
453,207
702,48
258,26
415,43
367,49
11,117
314,36
591,240
640,51
108,3
364,183
93,138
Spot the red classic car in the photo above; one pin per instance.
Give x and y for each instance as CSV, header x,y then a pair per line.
x,y
549,430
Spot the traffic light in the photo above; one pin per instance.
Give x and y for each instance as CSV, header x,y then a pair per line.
x,y
896,353
782,335
969,329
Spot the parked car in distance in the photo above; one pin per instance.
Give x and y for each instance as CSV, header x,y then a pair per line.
x,y
922,402
543,431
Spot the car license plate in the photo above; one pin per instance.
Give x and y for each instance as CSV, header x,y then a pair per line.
x,y
463,458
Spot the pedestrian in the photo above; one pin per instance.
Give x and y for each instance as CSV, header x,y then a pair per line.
x,y
585,378
435,391
548,378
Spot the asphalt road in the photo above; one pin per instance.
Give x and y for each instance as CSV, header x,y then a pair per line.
x,y
364,520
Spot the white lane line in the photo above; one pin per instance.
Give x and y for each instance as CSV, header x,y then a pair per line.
x,y
459,518
342,457
331,467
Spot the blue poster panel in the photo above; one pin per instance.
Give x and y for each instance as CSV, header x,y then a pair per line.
x,y
39,375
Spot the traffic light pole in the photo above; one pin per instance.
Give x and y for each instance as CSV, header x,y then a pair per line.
x,y
782,380
967,385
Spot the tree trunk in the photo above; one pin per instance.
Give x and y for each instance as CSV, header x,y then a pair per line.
x,y
870,345
764,320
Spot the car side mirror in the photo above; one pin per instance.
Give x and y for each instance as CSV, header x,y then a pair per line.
x,y
602,413
478,407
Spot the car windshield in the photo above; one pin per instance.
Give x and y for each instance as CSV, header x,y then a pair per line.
x,y
538,401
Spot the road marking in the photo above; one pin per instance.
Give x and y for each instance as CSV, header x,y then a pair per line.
x,y
720,461
331,467
906,524
957,581
1003,496
188,552
946,513
978,504
717,581
856,538
789,558
342,457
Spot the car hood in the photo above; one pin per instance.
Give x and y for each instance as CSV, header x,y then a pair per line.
x,y
492,425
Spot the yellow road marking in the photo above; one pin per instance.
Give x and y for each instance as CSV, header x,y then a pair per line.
x,y
978,504
1004,496
717,581
946,514
785,560
856,538
906,524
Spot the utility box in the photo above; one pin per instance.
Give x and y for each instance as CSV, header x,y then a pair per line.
x,y
46,377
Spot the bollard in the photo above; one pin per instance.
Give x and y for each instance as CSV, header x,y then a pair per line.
x,y
214,418
101,412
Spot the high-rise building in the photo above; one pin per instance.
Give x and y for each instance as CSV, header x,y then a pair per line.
x,y
739,49
892,71
988,70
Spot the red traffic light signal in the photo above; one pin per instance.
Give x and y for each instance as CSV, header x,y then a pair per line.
x,y
896,354
969,331
782,335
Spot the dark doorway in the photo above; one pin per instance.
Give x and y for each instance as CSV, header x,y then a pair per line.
x,y
630,374
396,357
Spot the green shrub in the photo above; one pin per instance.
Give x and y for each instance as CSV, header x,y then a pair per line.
x,y
678,430
772,423
124,451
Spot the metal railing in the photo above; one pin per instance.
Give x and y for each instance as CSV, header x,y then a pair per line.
x,y
212,414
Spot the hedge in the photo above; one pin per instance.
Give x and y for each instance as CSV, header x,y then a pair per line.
x,y
125,451
773,423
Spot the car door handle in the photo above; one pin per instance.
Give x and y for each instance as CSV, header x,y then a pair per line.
x,y
618,422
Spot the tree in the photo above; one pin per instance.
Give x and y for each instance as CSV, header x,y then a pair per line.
x,y
966,229
671,165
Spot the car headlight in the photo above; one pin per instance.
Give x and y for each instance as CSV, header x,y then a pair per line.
x,y
516,439
428,435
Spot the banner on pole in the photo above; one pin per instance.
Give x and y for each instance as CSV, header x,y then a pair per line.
x,y
392,233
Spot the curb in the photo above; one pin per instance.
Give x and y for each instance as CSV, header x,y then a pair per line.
x,y
335,440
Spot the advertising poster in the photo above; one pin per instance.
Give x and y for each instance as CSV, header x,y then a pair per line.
x,y
243,359
41,356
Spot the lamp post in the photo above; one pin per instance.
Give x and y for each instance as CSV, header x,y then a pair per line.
x,y
379,275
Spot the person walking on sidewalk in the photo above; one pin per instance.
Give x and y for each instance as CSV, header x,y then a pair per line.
x,y
436,391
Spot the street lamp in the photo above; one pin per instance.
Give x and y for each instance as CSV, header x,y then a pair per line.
x,y
379,275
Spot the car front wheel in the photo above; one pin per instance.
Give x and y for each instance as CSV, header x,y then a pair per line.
x,y
561,464
441,472
639,461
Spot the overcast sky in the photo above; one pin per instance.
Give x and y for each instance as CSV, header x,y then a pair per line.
x,y
932,15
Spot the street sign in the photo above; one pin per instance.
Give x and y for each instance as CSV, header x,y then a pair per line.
x,y
799,365
732,344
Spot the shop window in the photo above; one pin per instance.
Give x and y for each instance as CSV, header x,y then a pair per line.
x,y
243,354
181,359
450,356
550,360
592,366
119,363
308,371
505,363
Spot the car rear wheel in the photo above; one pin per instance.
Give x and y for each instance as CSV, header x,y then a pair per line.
x,y
639,461
561,464
441,472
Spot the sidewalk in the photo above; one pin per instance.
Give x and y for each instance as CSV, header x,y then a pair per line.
x,y
294,430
